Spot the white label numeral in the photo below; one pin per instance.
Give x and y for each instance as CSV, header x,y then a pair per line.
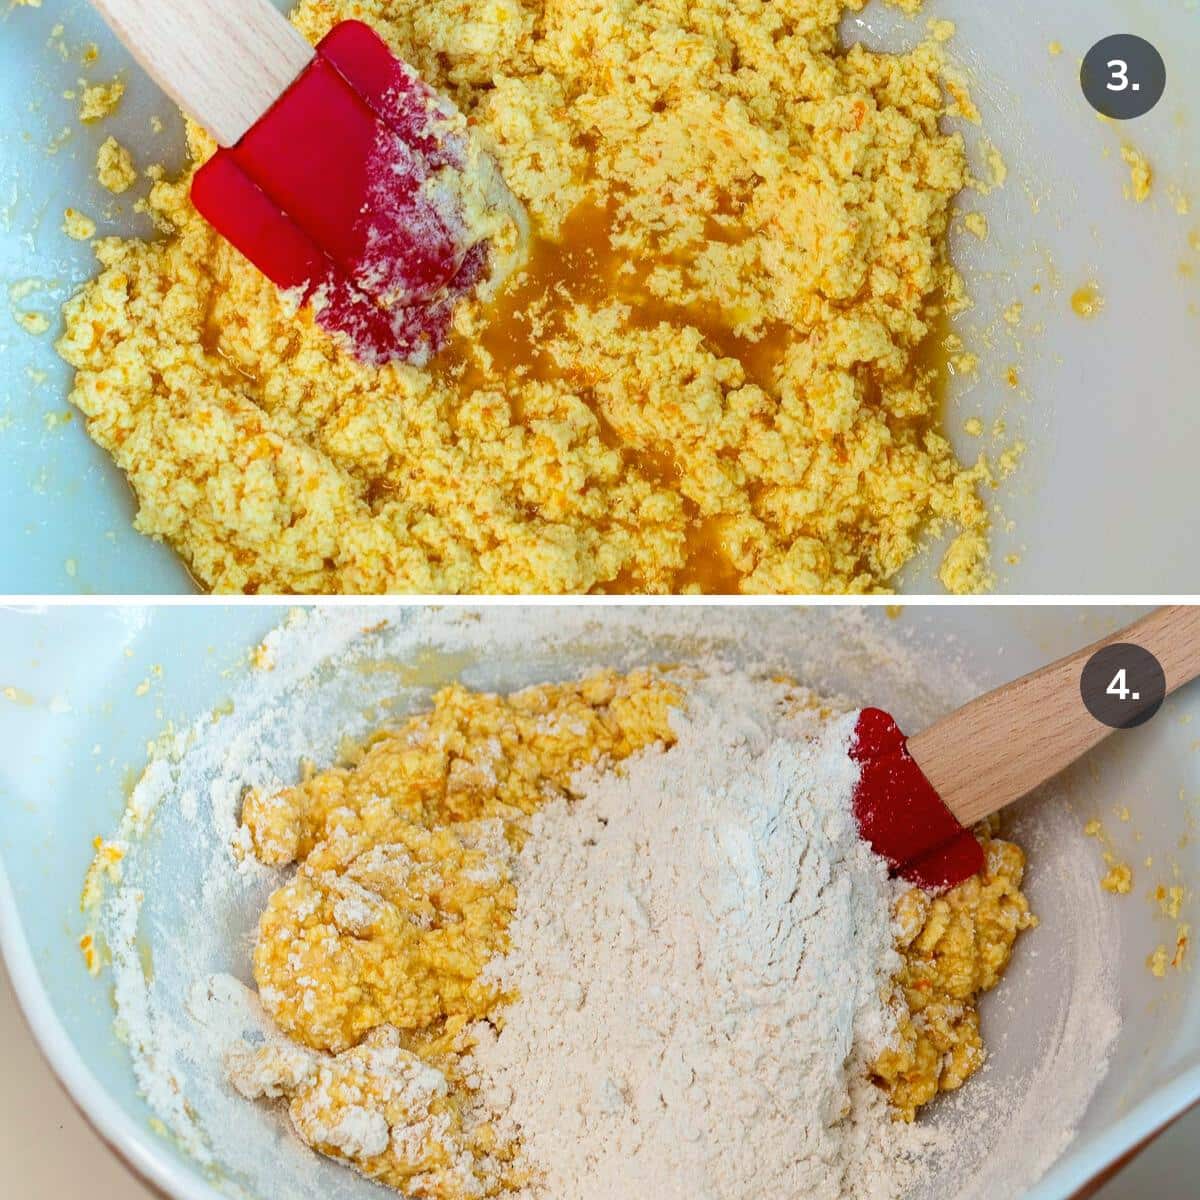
x,y
1120,75
1119,688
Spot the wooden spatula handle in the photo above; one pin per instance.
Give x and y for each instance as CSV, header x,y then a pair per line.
x,y
224,62
1003,745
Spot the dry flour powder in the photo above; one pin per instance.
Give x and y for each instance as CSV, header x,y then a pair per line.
x,y
702,950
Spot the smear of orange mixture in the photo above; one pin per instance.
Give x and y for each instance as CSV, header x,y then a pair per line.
x,y
719,373
370,958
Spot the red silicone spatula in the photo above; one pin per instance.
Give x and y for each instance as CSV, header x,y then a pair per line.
x,y
918,797
342,176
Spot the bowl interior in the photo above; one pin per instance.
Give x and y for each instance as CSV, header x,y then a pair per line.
x,y
1102,405
84,718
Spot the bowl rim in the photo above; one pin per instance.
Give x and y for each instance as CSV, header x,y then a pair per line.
x,y
144,1153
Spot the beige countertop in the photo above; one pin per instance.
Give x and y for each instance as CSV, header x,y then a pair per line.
x,y
47,1150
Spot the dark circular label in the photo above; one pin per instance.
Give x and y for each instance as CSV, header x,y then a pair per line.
x,y
1122,685
1123,76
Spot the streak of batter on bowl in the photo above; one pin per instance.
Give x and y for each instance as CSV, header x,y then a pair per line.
x,y
722,369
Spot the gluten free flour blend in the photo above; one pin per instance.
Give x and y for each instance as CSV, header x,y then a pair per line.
x,y
702,949
599,936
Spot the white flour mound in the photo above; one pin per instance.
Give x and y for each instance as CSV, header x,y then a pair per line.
x,y
702,947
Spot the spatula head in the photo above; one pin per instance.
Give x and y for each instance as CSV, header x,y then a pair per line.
x,y
902,816
362,192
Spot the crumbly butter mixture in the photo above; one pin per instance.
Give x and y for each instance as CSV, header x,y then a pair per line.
x,y
718,372
78,225
1118,880
371,959
387,928
99,100
1141,174
114,167
1163,957
955,947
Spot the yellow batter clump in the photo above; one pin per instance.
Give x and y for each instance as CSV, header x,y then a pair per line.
x,y
78,225
473,757
370,959
1141,175
114,167
955,947
720,370
387,928
1118,880
99,100
347,1106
